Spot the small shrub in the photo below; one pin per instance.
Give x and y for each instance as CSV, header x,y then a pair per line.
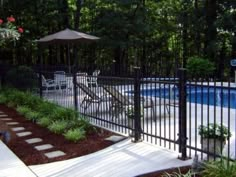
x,y
3,99
199,67
31,115
63,114
45,108
23,110
219,168
58,126
44,121
11,104
84,124
75,135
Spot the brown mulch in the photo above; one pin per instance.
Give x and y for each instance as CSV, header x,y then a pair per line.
x,y
30,156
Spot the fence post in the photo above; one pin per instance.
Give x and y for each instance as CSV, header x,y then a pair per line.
x,y
182,114
75,91
137,116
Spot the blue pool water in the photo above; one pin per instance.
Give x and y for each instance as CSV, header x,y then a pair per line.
x,y
218,96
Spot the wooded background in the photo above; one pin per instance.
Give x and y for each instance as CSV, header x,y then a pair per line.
x,y
157,35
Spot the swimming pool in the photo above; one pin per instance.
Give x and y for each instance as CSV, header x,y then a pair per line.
x,y
209,95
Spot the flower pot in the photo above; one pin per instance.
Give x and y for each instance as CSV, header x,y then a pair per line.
x,y
214,146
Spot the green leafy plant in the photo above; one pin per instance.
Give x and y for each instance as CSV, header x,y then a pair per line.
x,y
219,168
75,135
3,99
215,131
44,121
130,111
199,67
31,115
58,126
61,113
46,108
85,125
23,110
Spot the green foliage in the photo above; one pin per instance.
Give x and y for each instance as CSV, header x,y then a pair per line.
x,y
31,115
46,108
213,130
61,113
75,135
57,119
22,78
85,125
219,168
44,121
23,110
58,126
3,99
178,174
199,67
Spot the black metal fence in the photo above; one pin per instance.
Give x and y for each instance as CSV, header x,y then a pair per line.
x,y
166,111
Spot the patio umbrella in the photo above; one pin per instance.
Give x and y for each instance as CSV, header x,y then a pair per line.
x,y
67,36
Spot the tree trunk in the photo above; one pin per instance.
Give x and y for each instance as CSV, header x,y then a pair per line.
x,y
78,14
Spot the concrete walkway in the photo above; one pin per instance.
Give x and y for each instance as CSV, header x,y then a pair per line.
x,y
11,165
124,159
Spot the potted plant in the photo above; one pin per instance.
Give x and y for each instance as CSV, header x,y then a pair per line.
x,y
213,137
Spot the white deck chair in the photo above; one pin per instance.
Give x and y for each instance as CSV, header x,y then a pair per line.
x,y
60,79
92,80
82,78
49,83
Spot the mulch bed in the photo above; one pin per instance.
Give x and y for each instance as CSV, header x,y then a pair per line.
x,y
30,156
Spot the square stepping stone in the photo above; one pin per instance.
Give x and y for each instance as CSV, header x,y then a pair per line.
x,y
6,119
115,138
3,115
17,129
54,154
23,134
43,147
12,123
33,140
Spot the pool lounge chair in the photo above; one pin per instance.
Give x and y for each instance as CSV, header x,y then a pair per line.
x,y
120,101
91,97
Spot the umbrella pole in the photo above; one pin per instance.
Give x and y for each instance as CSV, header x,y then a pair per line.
x,y
68,55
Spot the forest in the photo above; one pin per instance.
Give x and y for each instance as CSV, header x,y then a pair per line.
x,y
158,36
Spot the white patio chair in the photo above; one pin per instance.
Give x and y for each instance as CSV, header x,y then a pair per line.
x,y
48,83
92,80
82,78
60,79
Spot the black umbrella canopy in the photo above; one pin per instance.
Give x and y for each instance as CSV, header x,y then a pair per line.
x,y
67,36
